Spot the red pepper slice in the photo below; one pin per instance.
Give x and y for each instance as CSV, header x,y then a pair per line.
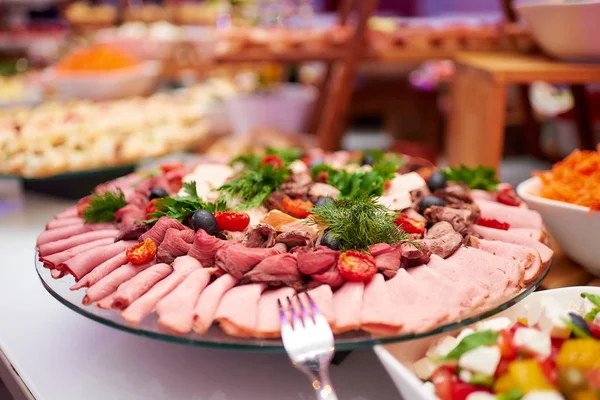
x,y
232,221
142,252
297,207
493,223
410,225
507,196
272,159
357,266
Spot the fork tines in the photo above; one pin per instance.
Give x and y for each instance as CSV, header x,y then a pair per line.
x,y
305,314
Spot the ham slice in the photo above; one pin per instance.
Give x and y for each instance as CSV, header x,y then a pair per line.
x,y
101,271
323,298
512,237
69,231
159,230
377,315
517,217
83,263
176,310
132,289
268,324
69,242
139,309
68,213
205,247
55,259
238,310
56,274
61,223
209,300
536,234
111,282
347,304
239,259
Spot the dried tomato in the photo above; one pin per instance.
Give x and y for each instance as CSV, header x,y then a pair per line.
x,y
142,252
151,208
232,221
410,225
297,207
272,159
507,196
493,223
82,204
357,266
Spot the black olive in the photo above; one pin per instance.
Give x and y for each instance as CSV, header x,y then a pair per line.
x,y
580,323
330,241
321,201
368,159
205,220
315,162
158,193
436,181
429,201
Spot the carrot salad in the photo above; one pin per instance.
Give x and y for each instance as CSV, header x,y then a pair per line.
x,y
97,58
574,180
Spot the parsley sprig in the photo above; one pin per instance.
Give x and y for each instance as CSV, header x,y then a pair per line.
x,y
102,207
252,160
480,177
351,184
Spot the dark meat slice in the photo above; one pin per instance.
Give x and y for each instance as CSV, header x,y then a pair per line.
x,y
411,255
332,277
175,243
387,258
441,239
276,271
294,239
460,219
316,261
458,196
260,236
297,185
234,237
129,216
137,199
132,232
158,231
205,247
238,259
275,201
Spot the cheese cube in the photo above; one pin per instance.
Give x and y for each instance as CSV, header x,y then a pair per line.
x,y
442,348
550,320
481,396
543,395
424,368
483,359
533,341
494,324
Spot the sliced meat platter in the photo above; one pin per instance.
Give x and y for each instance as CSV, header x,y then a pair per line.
x,y
382,243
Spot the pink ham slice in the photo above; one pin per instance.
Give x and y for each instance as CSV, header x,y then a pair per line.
x,y
239,259
268,324
55,259
67,243
536,234
176,310
347,304
235,319
61,223
205,247
517,217
69,231
511,237
83,263
131,290
56,274
111,282
323,298
139,309
377,315
209,300
528,259
68,213
101,271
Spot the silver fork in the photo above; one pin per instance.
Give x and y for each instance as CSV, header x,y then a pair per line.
x,y
308,340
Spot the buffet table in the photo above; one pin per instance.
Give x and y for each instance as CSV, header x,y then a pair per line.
x,y
50,352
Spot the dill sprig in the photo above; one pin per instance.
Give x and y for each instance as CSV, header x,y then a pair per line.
x,y
254,186
358,222
102,207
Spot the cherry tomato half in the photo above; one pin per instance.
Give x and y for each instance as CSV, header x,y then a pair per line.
x,y
297,208
142,252
232,221
356,266
594,329
444,379
462,390
272,159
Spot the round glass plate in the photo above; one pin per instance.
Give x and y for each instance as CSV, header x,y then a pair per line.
x,y
216,338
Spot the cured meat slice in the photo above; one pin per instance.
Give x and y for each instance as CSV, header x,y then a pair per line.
x,y
159,230
536,234
260,236
111,282
176,243
377,314
128,215
323,298
139,309
294,239
205,247
101,271
268,324
83,263
55,259
347,304
209,300
239,259
441,239
517,217
528,259
387,258
176,310
56,274
68,231
132,289
238,310
68,213
516,238
61,223
278,270
315,262
331,277
69,242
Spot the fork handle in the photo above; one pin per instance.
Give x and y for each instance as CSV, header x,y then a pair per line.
x,y
319,376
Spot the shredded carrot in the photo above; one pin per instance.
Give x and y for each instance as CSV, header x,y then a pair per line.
x,y
96,58
574,180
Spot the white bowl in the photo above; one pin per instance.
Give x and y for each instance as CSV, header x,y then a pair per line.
x,y
135,81
398,359
575,230
568,30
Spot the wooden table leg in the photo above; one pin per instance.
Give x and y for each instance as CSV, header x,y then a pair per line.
x,y
476,123
582,118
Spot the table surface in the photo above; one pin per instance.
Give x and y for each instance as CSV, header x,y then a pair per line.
x,y
59,354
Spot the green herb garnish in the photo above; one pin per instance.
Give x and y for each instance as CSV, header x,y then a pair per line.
x,y
480,177
288,156
358,222
254,186
514,394
474,340
595,299
252,161
249,161
351,184
102,207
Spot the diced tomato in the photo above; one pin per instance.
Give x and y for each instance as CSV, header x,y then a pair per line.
x,y
508,350
493,223
232,221
444,379
550,371
357,266
461,390
272,159
594,329
169,166
593,377
151,207
297,207
82,204
556,345
508,197
410,225
502,367
142,252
